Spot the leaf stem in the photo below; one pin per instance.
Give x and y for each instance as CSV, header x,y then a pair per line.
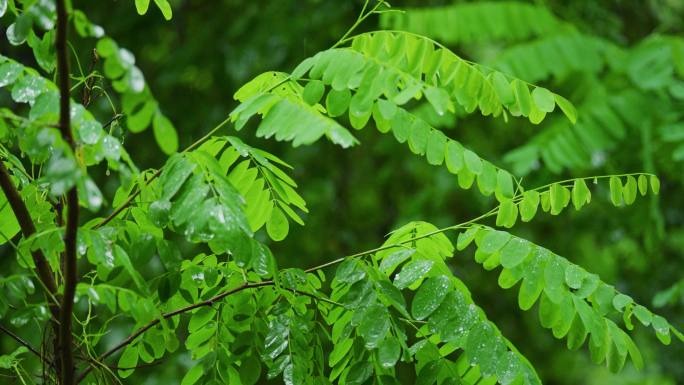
x,y
128,340
156,174
362,16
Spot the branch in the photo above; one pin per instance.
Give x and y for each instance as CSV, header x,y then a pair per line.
x,y
21,341
127,202
115,367
65,337
131,197
245,286
28,229
168,315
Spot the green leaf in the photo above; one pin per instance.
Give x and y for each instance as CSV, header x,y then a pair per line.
x,y
454,157
313,92
389,351
558,198
250,370
629,192
201,318
142,118
165,134
438,98
662,329
580,194
655,184
533,283
615,190
18,31
507,214
375,325
643,184
466,238
350,271
9,72
340,351
141,6
644,315
543,99
429,296
9,226
337,102
515,252
128,359
165,9
358,373
503,88
504,185
466,179
574,275
193,375
528,205
436,147
412,272
486,181
390,262
620,301
277,225
522,95
264,263
419,131
493,241
483,347
472,162
567,107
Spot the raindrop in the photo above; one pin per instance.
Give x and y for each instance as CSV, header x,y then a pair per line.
x,y
126,57
136,80
94,295
109,258
98,31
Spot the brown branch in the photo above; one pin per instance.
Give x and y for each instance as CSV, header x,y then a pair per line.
x,y
126,203
28,229
88,84
168,315
21,341
65,338
131,338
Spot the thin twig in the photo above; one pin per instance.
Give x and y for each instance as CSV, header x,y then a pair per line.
x,y
112,120
114,367
168,315
88,84
21,341
154,176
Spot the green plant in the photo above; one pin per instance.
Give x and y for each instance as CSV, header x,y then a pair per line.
x,y
239,316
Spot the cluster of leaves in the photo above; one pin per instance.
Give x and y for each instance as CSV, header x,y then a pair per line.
x,y
138,103
550,49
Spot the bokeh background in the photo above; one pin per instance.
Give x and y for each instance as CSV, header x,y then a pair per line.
x,y
194,63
